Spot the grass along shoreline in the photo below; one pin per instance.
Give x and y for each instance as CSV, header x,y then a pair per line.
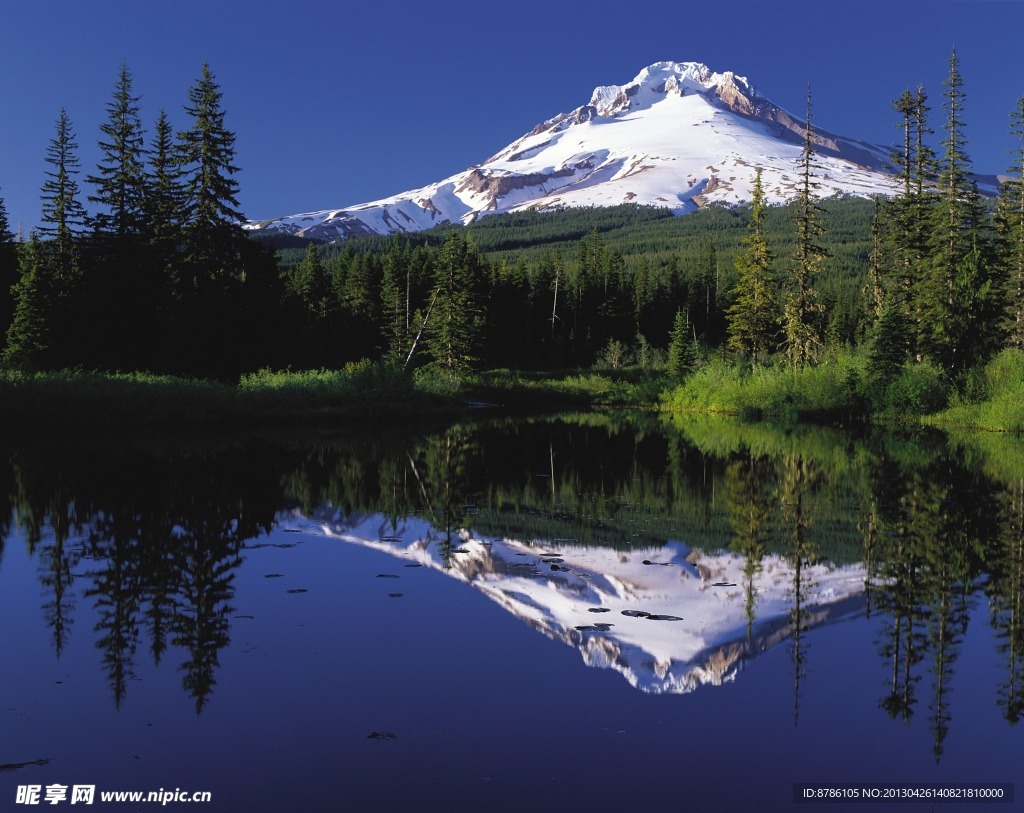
x,y
841,389
362,391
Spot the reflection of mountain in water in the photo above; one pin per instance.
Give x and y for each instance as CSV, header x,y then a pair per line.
x,y
669,619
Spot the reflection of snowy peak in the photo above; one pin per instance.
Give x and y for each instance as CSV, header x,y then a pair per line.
x,y
677,136
669,619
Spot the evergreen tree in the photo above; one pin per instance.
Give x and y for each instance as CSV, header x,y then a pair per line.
x,y
8,270
955,291
28,335
753,316
212,221
802,309
119,180
1011,238
63,216
164,200
682,355
395,284
312,283
455,322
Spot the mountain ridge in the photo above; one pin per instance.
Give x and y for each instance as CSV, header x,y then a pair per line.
x,y
678,136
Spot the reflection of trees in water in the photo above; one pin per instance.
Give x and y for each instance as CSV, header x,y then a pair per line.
x,y
1006,596
798,479
159,541
896,587
749,500
206,554
160,537
440,466
927,527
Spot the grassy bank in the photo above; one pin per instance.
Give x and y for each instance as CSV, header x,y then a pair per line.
x,y
993,397
360,391
840,388
363,391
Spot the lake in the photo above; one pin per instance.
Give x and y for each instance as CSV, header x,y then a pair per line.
x,y
584,612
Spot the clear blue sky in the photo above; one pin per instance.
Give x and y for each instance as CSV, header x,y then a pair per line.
x,y
336,103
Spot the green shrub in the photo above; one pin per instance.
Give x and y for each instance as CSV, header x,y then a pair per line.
x,y
918,389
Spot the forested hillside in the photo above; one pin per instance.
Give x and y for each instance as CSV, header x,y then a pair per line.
x,y
161,277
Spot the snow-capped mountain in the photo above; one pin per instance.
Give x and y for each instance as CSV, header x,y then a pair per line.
x,y
670,620
678,136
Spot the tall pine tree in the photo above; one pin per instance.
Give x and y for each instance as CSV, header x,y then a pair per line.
x,y
456,322
8,271
63,216
1011,238
212,220
802,309
29,333
955,293
119,178
753,317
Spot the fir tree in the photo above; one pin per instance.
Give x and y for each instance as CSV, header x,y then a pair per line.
x,y
28,335
165,195
212,221
312,284
955,290
682,355
802,309
455,321
753,316
119,180
8,270
1011,238
394,288
63,216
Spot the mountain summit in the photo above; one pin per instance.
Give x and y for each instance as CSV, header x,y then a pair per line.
x,y
677,136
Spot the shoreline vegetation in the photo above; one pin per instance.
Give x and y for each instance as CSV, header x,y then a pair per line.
x,y
841,390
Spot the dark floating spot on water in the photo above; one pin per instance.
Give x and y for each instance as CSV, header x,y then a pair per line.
x,y
245,616
649,562
292,531
414,565
556,567
387,576
598,610
724,584
382,735
522,554
395,595
298,590
593,628
664,618
555,561
274,576
636,613
14,766
389,539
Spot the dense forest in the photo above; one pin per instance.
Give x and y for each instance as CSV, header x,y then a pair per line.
x,y
159,275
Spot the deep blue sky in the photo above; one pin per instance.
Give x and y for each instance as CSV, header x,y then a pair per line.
x,y
336,103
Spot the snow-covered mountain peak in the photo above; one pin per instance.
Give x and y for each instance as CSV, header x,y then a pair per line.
x,y
679,136
668,79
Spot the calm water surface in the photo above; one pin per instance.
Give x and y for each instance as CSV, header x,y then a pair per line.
x,y
580,613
